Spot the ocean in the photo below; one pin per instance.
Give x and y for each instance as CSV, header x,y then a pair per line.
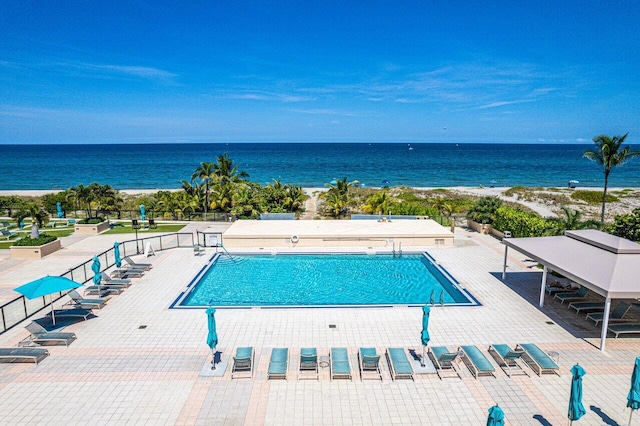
x,y
149,166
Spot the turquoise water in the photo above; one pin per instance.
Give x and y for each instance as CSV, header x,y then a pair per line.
x,y
309,165
317,280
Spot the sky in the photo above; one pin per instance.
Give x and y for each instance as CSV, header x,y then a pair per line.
x,y
333,71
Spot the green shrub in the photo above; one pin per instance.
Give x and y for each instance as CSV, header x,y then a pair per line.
x,y
627,225
92,221
592,197
43,239
521,224
484,209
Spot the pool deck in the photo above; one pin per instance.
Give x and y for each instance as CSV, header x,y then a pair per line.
x,y
119,373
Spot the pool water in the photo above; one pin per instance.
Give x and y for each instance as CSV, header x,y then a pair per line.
x,y
321,280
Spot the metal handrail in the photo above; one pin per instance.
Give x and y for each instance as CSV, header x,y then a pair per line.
x,y
17,310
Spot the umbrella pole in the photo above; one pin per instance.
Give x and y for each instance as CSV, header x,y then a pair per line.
x,y
213,358
630,415
53,313
422,360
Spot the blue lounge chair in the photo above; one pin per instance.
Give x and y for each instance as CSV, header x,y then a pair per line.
x,y
369,363
508,359
41,336
574,296
308,367
72,313
443,359
6,233
243,363
399,366
585,307
616,316
23,354
619,329
339,364
476,362
278,364
537,359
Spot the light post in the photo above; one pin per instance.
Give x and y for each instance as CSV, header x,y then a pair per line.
x,y
136,225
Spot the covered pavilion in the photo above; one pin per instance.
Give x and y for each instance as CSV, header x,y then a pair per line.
x,y
603,263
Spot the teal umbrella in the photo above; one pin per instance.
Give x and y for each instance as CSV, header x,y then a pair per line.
x,y
576,409
143,214
424,336
95,267
47,285
59,209
496,416
116,254
212,337
633,399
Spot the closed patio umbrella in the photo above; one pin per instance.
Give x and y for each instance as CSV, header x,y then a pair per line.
x,y
633,398
576,409
97,276
143,214
59,209
47,286
424,336
116,254
212,337
496,416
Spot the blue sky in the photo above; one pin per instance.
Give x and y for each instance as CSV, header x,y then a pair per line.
x,y
370,71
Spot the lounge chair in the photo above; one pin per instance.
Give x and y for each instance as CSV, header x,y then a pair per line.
x,y
369,363
399,367
574,296
508,359
41,336
152,224
278,363
80,302
563,288
443,359
476,362
134,265
537,359
127,273
243,363
5,224
72,313
106,279
585,307
6,233
339,364
616,316
619,329
104,289
198,250
23,354
308,368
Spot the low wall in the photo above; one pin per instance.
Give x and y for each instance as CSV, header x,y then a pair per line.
x,y
96,228
316,241
35,252
484,228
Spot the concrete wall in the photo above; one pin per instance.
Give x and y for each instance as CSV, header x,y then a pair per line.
x,y
35,252
91,229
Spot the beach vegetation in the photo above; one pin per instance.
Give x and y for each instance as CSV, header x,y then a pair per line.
x,y
10,203
572,219
609,153
337,198
627,225
49,202
41,240
37,214
378,203
518,222
593,197
484,209
94,198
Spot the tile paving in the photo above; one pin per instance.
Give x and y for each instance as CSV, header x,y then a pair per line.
x,y
117,373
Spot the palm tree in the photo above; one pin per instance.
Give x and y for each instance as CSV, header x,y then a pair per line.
x,y
608,153
205,172
225,171
380,202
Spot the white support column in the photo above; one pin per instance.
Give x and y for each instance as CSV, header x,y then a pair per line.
x,y
504,265
542,285
605,322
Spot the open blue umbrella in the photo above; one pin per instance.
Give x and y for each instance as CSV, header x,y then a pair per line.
x,y
424,336
59,209
633,398
496,416
143,215
95,267
47,286
116,254
212,337
576,409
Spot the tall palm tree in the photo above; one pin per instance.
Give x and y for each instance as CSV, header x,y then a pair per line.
x,y
608,153
226,171
205,172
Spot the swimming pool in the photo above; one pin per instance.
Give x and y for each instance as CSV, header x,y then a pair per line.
x,y
322,280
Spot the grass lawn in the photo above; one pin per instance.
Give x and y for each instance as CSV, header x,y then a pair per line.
x,y
127,229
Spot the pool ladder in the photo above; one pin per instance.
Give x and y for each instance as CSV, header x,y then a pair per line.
x,y
399,252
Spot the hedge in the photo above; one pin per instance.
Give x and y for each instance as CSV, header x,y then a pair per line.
x,y
42,240
519,223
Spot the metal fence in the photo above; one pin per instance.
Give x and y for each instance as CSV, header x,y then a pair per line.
x,y
21,308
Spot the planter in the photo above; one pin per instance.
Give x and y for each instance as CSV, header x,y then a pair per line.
x,y
35,252
95,228
482,228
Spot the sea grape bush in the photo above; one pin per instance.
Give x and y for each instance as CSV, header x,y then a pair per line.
x,y
627,225
519,223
